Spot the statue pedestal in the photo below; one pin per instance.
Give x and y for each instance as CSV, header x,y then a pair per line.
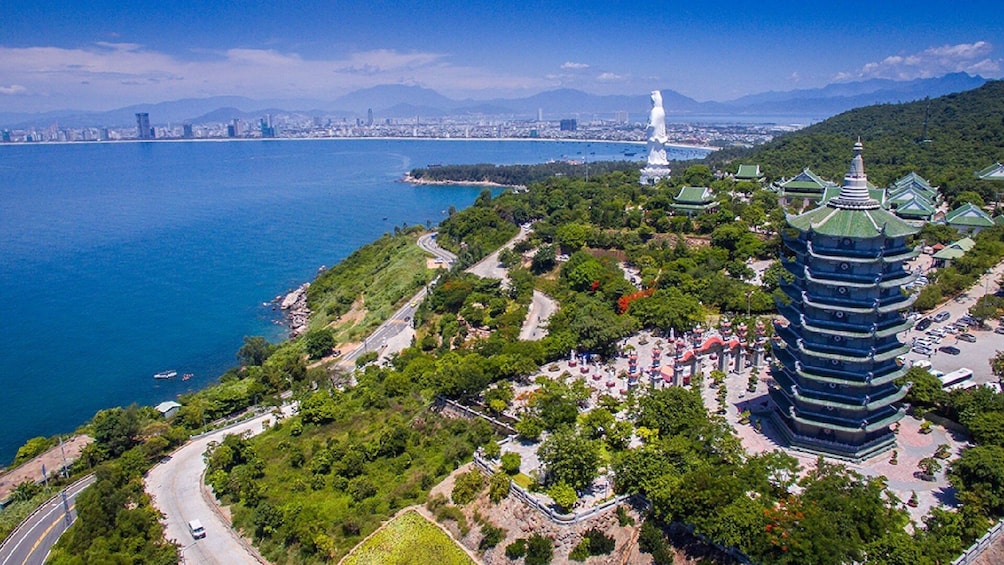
x,y
652,173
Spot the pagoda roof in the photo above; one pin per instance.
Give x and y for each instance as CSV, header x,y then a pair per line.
x,y
876,194
748,172
969,215
839,222
694,195
806,181
993,172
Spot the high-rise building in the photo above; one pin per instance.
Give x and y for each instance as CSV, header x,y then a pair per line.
x,y
369,117
186,131
835,359
540,114
143,129
6,136
570,124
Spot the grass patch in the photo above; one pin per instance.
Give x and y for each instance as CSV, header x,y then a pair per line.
x,y
523,480
407,539
378,277
14,513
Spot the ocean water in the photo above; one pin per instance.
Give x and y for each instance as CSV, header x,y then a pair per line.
x,y
121,260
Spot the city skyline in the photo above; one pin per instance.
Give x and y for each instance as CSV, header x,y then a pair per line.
x,y
100,55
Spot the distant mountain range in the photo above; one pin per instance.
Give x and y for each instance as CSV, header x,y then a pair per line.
x,y
399,101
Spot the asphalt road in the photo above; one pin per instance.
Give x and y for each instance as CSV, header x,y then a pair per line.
x,y
174,485
428,243
541,308
31,542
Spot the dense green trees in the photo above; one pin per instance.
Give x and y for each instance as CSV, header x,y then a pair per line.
x,y
116,524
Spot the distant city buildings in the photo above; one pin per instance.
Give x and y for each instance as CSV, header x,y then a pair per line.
x,y
143,129
369,117
570,124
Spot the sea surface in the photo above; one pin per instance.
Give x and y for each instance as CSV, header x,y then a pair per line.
x,y
120,260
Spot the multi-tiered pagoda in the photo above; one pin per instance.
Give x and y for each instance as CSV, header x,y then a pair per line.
x,y
836,357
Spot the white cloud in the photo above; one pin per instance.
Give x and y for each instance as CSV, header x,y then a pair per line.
x,y
609,77
108,75
574,66
972,58
13,89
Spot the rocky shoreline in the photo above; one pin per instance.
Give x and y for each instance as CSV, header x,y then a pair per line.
x,y
294,307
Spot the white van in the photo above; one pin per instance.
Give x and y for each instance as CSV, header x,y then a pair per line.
x,y
195,527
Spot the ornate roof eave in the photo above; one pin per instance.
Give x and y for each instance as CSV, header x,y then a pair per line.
x,y
859,408
871,427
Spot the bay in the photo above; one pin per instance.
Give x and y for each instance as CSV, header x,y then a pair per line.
x,y
119,260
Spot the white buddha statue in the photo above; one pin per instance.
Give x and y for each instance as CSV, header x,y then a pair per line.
x,y
657,137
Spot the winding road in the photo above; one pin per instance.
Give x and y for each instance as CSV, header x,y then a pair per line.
x,y
30,543
176,490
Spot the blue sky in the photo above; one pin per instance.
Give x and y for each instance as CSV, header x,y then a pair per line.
x,y
101,55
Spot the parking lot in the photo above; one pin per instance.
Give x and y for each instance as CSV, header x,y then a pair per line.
x,y
972,355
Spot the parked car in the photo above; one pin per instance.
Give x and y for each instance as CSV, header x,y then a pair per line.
x,y
999,330
967,337
923,324
942,316
921,350
952,329
949,349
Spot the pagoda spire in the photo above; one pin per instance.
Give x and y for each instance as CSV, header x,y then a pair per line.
x,y
854,192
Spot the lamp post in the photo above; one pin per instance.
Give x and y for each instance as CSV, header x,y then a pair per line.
x,y
749,298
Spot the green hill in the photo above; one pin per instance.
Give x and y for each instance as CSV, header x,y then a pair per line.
x,y
965,132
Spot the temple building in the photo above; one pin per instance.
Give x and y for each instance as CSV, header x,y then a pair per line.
x,y
969,219
750,173
805,185
835,358
913,198
692,200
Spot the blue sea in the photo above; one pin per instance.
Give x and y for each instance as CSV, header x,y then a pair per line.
x,y
119,260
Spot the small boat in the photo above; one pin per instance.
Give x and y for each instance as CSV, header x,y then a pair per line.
x,y
166,375
186,376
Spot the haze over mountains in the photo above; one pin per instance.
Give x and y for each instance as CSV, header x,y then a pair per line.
x,y
400,101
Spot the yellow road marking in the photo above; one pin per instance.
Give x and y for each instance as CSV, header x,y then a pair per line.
x,y
42,537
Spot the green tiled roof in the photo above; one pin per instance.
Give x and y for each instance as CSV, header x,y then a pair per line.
x,y
914,207
908,191
751,172
968,215
838,222
913,179
999,220
993,172
956,249
694,195
806,181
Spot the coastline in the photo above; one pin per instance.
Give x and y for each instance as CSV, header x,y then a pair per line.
x,y
353,137
412,180
294,308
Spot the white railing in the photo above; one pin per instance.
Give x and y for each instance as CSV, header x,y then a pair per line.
x,y
969,555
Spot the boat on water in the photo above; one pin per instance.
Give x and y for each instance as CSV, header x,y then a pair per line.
x,y
165,375
186,376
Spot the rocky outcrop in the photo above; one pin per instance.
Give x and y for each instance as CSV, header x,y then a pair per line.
x,y
294,305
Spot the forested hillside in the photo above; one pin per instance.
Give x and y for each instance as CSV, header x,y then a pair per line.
x,y
965,132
